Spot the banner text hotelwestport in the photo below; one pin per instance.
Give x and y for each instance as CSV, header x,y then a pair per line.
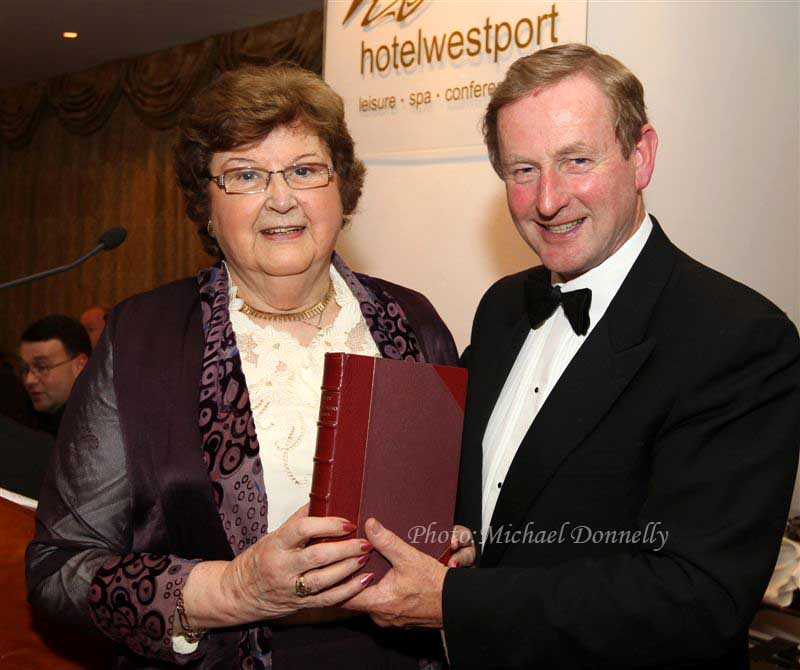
x,y
491,39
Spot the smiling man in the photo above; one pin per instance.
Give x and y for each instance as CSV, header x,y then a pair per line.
x,y
631,430
54,350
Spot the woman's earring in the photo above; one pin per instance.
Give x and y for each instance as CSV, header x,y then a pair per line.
x,y
210,228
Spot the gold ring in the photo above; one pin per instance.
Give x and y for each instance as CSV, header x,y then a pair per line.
x,y
300,587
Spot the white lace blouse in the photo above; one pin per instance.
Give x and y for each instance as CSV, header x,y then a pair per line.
x,y
284,379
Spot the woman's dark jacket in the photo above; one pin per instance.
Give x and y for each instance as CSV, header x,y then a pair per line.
x,y
128,504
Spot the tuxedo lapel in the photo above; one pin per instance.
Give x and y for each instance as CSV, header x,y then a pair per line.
x,y
509,341
493,379
586,391
605,364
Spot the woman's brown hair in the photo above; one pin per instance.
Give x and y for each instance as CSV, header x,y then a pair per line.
x,y
239,109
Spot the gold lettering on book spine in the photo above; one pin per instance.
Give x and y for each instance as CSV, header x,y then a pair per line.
x,y
322,479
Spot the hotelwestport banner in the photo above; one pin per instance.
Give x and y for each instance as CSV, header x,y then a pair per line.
x,y
417,74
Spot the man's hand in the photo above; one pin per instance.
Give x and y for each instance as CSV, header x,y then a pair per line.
x,y
463,546
411,592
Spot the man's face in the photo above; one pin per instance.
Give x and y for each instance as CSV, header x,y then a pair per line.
x,y
50,389
582,199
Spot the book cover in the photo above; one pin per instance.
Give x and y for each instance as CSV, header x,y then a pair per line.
x,y
388,446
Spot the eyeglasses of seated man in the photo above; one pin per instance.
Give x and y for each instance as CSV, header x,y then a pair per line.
x,y
41,369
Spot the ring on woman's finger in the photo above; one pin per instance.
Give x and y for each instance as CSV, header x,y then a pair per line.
x,y
300,587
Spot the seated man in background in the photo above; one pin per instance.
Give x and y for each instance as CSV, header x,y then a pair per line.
x,y
54,350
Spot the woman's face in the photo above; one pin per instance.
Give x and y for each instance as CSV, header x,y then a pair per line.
x,y
280,232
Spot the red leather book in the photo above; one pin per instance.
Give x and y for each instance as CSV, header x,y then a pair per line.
x,y
388,446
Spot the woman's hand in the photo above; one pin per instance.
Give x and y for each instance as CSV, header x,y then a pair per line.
x,y
262,582
463,545
264,579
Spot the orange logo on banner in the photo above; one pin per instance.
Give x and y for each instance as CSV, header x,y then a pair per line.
x,y
405,9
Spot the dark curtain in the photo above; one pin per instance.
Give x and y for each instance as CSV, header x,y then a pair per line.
x,y
84,152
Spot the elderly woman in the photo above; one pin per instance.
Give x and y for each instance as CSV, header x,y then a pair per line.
x,y
173,515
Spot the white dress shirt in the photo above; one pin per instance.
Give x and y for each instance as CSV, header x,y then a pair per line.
x,y
544,356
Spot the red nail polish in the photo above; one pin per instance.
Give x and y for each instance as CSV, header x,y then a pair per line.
x,y
363,560
456,564
366,546
366,579
348,527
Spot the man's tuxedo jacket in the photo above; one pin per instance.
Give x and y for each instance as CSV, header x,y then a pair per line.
x,y
680,413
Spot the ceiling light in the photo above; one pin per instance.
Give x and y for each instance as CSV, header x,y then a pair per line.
x,y
69,35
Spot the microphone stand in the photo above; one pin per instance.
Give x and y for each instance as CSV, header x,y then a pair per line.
x,y
53,271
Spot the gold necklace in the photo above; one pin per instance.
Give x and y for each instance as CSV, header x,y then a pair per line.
x,y
303,315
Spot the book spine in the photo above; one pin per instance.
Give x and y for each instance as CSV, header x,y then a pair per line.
x,y
324,458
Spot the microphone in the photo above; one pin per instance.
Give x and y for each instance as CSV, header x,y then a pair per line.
x,y
112,238
109,240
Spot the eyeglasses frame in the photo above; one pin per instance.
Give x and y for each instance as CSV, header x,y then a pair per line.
x,y
47,369
219,180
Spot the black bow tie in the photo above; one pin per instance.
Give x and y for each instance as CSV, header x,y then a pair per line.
x,y
542,299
